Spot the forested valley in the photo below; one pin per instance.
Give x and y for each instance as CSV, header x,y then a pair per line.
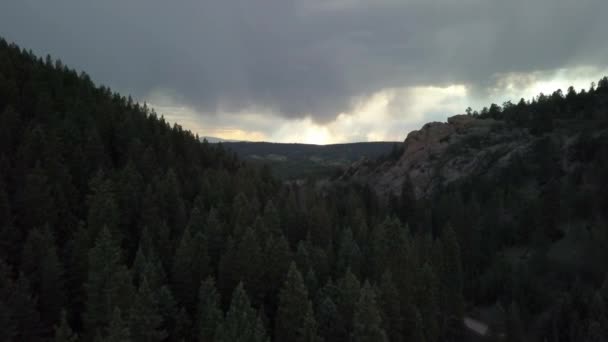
x,y
117,226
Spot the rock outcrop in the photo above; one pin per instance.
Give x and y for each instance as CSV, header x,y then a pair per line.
x,y
441,153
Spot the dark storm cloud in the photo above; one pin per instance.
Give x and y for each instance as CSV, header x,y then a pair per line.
x,y
299,57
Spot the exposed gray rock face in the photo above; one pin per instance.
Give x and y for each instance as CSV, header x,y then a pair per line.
x,y
441,153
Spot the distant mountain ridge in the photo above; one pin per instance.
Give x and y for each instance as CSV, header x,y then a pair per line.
x,y
217,140
294,160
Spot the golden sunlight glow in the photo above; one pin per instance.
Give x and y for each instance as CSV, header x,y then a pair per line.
x,y
388,114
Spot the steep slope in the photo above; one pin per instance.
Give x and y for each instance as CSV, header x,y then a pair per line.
x,y
464,147
526,190
136,230
115,225
441,153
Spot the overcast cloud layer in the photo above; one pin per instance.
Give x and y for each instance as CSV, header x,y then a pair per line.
x,y
318,70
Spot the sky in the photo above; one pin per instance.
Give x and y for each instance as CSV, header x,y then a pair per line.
x,y
318,71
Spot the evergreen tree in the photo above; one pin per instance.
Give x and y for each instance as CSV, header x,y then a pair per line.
x,y
377,251
171,203
209,312
129,192
348,296
349,254
216,238
145,322
272,220
397,258
260,230
190,267
182,329
167,307
277,258
417,333
34,203
197,221
427,297
294,315
77,269
241,323
103,210
390,304
309,326
597,310
452,281
25,316
407,202
9,236
227,276
244,213
330,328
44,270
311,281
63,331
320,227
367,319
248,263
118,330
153,226
108,285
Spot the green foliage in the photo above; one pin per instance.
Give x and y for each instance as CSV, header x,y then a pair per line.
x,y
276,261
248,264
427,297
91,183
329,320
349,289
209,313
367,318
349,254
23,323
63,331
452,281
103,211
272,220
241,323
118,330
389,302
295,319
190,267
42,267
108,285
298,161
145,320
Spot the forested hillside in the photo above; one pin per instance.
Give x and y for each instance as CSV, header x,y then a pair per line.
x,y
297,161
116,226
525,187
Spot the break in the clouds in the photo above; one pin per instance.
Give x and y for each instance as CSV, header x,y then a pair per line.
x,y
318,70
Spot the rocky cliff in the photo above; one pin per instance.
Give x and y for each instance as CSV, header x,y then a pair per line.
x,y
443,152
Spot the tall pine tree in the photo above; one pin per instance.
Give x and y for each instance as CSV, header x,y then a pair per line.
x,y
367,325
452,282
190,267
63,331
108,285
241,323
209,312
294,315
145,321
